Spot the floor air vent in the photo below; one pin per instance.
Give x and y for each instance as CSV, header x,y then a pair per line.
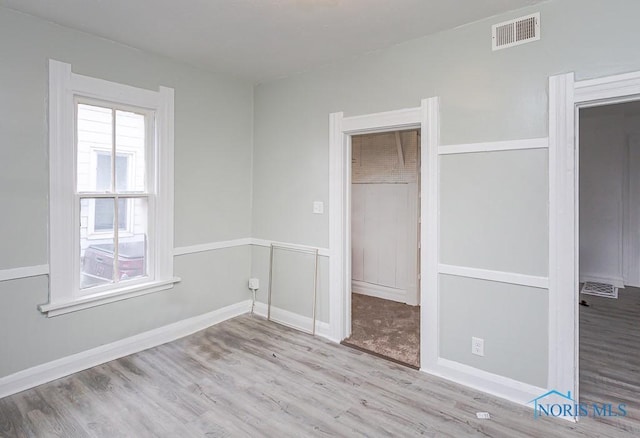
x,y
599,289
515,32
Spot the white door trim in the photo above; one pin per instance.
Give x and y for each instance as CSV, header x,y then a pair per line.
x,y
341,129
563,275
630,258
566,96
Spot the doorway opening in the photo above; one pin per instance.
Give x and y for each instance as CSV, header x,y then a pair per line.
x,y
385,250
608,148
341,130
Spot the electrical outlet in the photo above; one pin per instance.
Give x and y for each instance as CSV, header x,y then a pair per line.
x,y
477,346
318,207
254,284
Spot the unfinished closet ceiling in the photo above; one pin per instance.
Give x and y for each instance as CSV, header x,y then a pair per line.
x,y
389,157
261,40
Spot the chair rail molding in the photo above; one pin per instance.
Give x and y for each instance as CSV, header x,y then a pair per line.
x,y
23,272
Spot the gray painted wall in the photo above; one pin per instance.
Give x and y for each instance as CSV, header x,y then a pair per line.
x,y
292,281
493,211
485,96
213,140
210,280
603,162
518,324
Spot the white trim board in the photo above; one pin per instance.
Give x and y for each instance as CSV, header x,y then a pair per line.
x,y
23,272
379,291
500,386
382,122
126,293
212,246
322,252
563,275
615,89
510,145
294,320
341,129
65,366
34,271
430,234
339,232
499,276
494,384
66,91
426,118
566,97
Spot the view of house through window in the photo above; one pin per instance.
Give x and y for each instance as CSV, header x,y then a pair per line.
x,y
104,207
111,186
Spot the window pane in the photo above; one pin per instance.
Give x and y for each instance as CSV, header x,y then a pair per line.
x,y
94,130
130,142
103,172
122,172
103,216
132,248
96,253
97,242
123,214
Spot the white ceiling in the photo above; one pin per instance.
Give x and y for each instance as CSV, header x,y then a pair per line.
x,y
262,39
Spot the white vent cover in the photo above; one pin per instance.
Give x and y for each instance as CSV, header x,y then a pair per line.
x,y
515,32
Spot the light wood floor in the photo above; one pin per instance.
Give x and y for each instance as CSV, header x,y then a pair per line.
x,y
610,354
249,377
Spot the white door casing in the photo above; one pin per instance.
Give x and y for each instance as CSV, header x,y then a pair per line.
x,y
631,242
342,128
566,97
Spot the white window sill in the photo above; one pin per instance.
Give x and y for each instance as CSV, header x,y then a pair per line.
x,y
55,309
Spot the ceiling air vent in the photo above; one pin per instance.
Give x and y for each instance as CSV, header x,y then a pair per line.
x,y
515,32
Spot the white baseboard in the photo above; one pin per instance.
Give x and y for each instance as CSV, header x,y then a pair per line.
x,y
499,386
378,291
294,320
65,366
412,295
615,281
493,384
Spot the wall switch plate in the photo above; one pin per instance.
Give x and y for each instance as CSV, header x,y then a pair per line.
x,y
477,346
254,284
318,207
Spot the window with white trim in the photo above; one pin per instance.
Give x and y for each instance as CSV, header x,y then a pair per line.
x,y
111,190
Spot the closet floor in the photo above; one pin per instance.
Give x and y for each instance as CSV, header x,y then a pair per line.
x,y
385,328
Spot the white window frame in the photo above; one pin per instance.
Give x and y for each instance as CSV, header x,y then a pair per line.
x,y
64,210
